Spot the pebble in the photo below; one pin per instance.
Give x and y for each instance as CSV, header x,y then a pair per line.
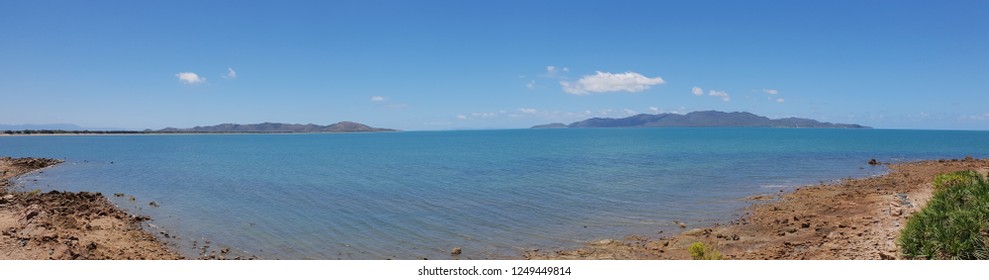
x,y
456,251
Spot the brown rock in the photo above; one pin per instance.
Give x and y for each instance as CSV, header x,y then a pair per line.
x,y
456,251
694,232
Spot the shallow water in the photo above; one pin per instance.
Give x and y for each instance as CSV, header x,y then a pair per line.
x,y
410,195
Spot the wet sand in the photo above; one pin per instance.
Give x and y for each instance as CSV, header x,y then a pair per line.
x,y
854,219
67,225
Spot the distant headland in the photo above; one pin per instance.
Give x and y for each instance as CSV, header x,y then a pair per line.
x,y
268,127
700,119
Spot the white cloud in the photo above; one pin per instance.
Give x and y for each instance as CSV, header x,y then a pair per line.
x,y
610,82
550,71
724,95
190,78
378,98
655,109
531,84
565,69
462,117
528,110
770,91
697,91
231,74
779,100
630,111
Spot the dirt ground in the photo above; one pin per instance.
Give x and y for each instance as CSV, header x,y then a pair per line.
x,y
855,219
66,225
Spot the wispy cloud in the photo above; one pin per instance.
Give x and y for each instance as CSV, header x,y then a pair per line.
x,y
682,110
724,95
462,117
483,115
629,111
610,82
552,71
231,74
531,84
655,109
190,78
528,110
385,102
981,117
770,91
780,100
697,91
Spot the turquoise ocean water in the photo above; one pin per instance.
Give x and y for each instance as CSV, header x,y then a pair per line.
x,y
411,195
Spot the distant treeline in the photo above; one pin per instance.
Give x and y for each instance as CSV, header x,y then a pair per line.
x,y
108,132
57,131
226,128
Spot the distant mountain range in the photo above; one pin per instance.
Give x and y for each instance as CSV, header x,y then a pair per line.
x,y
700,119
277,128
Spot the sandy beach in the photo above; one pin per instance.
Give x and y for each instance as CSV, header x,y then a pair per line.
x,y
854,219
66,225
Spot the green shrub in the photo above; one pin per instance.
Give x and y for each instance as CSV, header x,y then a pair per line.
x,y
699,251
954,223
955,178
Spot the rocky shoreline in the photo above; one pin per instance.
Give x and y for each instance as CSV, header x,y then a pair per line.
x,y
854,219
68,225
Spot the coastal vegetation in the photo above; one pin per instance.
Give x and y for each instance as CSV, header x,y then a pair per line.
x,y
699,251
953,225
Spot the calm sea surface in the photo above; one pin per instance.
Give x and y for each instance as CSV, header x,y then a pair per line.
x,y
409,195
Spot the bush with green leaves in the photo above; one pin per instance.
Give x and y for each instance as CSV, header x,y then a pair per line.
x,y
955,223
699,251
947,180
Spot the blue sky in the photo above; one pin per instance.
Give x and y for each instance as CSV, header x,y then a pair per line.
x,y
434,65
